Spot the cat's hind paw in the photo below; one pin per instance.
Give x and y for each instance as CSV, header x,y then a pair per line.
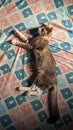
x,y
23,89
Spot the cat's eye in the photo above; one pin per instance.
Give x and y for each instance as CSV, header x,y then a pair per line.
x,y
42,29
38,48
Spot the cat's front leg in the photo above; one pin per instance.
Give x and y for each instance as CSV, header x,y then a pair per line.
x,y
24,45
20,35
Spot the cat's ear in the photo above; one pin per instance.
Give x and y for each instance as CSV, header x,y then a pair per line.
x,y
50,32
43,25
50,29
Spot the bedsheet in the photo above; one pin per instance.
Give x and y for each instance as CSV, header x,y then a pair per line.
x,y
18,112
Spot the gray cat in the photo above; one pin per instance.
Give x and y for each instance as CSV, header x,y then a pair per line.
x,y
45,66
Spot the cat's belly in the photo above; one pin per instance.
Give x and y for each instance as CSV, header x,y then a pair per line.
x,y
45,80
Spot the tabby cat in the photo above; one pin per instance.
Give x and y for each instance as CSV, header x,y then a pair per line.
x,y
45,66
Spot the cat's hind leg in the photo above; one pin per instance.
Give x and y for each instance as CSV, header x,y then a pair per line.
x,y
37,92
23,89
33,90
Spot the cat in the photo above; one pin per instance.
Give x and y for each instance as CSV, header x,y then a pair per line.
x,y
45,66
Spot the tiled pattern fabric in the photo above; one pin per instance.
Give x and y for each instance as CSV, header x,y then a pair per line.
x,y
18,112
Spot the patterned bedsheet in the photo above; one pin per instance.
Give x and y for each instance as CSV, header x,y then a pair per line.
x,y
18,112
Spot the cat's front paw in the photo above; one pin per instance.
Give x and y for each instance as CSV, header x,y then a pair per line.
x,y
14,42
33,93
16,32
23,89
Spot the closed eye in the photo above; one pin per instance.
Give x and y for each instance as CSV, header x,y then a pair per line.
x,y
38,48
42,29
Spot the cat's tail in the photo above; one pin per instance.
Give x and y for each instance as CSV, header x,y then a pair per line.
x,y
53,105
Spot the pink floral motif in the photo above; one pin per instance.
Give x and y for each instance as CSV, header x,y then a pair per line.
x,y
68,2
15,18
22,51
13,87
62,105
63,59
3,59
10,78
16,114
32,1
43,98
11,8
48,5
36,8
4,92
18,119
12,84
26,109
2,82
69,55
33,122
59,96
2,13
28,69
59,33
4,22
71,86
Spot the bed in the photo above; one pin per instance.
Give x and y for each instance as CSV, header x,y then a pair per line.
x,y
18,112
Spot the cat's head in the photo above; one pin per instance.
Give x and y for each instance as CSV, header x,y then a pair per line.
x,y
41,41
45,30
42,30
